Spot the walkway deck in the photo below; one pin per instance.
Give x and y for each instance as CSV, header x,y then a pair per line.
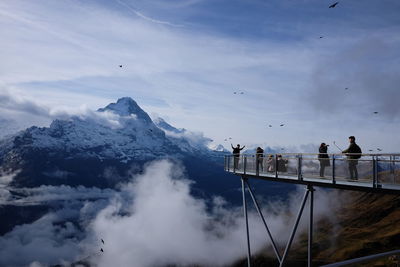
x,y
376,172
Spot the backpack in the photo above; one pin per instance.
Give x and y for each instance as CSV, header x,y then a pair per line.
x,y
357,149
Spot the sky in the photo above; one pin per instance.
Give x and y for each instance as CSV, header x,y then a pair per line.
x,y
183,61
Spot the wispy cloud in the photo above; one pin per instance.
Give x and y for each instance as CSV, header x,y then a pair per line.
x,y
274,55
18,104
136,12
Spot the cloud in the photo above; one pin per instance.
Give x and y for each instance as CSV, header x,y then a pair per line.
x,y
153,220
274,59
43,241
6,178
165,225
139,14
16,105
47,194
368,68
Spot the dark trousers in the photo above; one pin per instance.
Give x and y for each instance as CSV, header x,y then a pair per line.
x,y
260,164
322,170
323,163
353,169
235,162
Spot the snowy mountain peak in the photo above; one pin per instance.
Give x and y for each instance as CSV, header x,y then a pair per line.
x,y
126,106
162,124
219,148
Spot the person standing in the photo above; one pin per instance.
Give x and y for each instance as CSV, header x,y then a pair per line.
x,y
323,158
271,163
259,158
282,164
353,153
236,155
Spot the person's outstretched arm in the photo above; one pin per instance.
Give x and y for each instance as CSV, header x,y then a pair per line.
x,y
232,146
242,147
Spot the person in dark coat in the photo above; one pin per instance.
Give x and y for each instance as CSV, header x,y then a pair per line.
x,y
282,164
323,159
353,154
260,158
236,155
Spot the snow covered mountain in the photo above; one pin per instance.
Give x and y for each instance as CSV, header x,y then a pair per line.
x,y
220,148
100,148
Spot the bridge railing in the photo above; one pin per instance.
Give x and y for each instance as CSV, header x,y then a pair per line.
x,y
373,170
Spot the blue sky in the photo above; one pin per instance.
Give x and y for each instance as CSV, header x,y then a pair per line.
x,y
182,60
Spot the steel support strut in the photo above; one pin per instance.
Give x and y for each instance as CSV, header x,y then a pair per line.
x,y
310,224
262,218
296,224
244,180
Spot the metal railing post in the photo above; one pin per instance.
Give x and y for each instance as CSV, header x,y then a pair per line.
x,y
257,167
225,163
299,170
244,164
374,172
333,169
276,165
246,220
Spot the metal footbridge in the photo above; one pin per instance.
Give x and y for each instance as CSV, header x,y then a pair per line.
x,y
377,173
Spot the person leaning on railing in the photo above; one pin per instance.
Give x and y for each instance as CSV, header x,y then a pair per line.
x,y
353,154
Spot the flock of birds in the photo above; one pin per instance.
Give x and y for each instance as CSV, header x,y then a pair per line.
x,y
239,92
346,88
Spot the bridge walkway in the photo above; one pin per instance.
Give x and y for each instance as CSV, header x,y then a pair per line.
x,y
376,172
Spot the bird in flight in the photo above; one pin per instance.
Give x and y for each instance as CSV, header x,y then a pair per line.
x,y
102,241
101,250
230,137
375,112
346,88
333,5
321,37
270,125
370,150
120,66
379,149
282,125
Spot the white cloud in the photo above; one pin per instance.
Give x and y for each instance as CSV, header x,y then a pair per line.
x,y
153,220
14,105
165,225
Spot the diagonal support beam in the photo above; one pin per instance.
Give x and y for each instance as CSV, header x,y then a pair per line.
x,y
265,223
296,224
310,189
244,179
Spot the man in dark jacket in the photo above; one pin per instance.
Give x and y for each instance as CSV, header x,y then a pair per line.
x,y
259,158
353,154
323,158
236,155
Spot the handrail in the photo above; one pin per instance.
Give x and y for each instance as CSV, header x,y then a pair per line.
x,y
376,171
343,154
